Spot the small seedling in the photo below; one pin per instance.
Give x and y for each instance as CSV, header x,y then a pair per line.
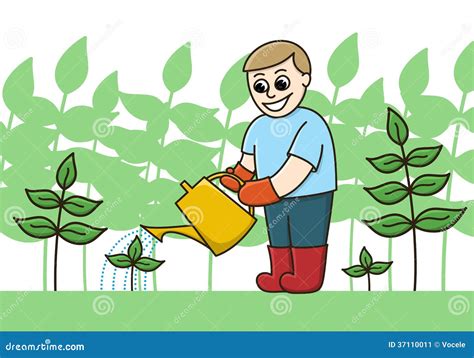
x,y
133,259
41,227
367,266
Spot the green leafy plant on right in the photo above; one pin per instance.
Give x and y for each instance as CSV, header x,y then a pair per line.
x,y
367,266
430,220
134,259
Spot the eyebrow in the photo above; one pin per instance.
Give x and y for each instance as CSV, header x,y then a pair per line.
x,y
258,74
280,70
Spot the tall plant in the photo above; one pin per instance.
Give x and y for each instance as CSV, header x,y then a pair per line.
x,y
41,227
429,220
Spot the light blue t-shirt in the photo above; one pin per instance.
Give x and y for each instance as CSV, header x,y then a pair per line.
x,y
304,134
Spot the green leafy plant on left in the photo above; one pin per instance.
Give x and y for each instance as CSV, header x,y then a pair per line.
x,y
134,259
41,227
367,267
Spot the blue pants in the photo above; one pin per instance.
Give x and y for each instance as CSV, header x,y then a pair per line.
x,y
299,221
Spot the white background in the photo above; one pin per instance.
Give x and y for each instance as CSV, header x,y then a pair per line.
x,y
137,37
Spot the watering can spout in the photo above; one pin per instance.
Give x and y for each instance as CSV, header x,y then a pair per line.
x,y
186,230
217,221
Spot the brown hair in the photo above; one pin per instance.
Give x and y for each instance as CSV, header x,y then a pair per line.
x,y
275,52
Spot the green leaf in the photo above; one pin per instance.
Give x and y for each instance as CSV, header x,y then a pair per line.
x,y
349,159
178,69
20,148
234,91
415,76
196,122
19,86
441,163
378,267
391,225
83,124
429,184
355,271
15,204
421,157
147,108
72,68
369,110
133,146
67,172
344,62
235,135
387,163
467,120
39,111
38,227
147,264
365,258
80,206
106,94
463,73
438,219
80,234
397,128
372,146
463,165
388,193
431,115
44,199
119,260
135,249
184,159
317,102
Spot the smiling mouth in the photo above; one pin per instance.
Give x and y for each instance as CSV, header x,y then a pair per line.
x,y
278,105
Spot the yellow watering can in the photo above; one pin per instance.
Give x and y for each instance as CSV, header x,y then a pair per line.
x,y
217,221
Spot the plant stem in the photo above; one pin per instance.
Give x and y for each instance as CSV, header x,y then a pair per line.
x,y
58,223
139,272
45,243
333,103
131,280
61,110
219,168
56,244
158,173
448,195
351,229
368,280
84,248
412,213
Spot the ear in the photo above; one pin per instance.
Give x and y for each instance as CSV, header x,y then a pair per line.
x,y
306,79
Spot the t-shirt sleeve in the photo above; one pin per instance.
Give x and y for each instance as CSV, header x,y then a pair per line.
x,y
250,139
308,143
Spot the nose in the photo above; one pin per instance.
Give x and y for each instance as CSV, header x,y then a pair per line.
x,y
270,93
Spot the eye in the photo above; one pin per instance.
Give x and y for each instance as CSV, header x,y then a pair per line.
x,y
261,86
282,83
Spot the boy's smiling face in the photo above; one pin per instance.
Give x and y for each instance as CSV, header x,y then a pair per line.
x,y
278,90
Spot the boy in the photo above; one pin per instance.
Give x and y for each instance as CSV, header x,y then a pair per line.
x,y
290,149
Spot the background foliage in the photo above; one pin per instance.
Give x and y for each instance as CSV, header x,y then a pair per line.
x,y
134,185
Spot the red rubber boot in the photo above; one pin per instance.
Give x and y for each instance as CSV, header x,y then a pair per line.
x,y
281,263
309,265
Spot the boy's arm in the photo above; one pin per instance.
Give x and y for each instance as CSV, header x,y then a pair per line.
x,y
248,162
291,175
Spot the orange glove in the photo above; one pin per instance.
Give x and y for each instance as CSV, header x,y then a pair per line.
x,y
241,172
258,193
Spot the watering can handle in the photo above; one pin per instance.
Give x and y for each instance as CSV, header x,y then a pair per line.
x,y
233,176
